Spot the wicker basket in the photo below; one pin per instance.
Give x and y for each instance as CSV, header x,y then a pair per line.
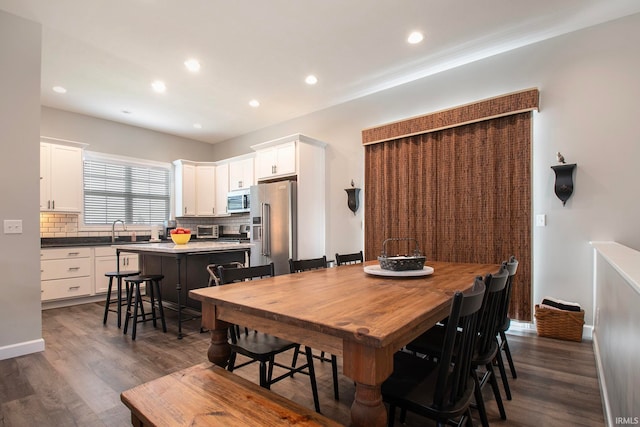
x,y
401,262
560,324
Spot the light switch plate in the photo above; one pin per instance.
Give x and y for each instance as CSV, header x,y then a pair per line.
x,y
12,226
541,220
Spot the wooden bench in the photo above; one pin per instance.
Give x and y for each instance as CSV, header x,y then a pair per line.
x,y
208,395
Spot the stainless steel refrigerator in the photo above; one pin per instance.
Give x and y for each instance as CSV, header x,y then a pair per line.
x,y
273,224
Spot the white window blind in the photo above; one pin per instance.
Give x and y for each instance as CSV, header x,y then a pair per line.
x,y
135,191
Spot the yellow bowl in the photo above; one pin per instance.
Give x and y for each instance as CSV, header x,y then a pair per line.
x,y
180,239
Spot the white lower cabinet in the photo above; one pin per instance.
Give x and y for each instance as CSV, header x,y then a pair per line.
x,y
65,273
105,261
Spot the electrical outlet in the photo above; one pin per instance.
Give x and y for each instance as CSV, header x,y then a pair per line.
x,y
541,220
12,226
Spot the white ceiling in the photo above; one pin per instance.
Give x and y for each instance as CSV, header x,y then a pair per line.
x,y
106,53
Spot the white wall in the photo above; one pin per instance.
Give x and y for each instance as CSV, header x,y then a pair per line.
x,y
590,93
20,320
105,136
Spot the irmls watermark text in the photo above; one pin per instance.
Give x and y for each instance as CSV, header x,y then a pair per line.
x,y
627,420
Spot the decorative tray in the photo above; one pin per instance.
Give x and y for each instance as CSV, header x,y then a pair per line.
x,y
376,270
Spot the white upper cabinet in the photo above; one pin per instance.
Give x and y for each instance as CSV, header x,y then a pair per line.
x,y
241,174
60,178
206,190
275,160
201,188
222,188
185,180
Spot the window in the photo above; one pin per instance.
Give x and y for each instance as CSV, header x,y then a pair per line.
x,y
136,191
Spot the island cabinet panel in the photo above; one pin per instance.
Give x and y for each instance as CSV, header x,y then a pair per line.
x,y
193,273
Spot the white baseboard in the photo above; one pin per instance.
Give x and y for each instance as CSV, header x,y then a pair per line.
x,y
20,349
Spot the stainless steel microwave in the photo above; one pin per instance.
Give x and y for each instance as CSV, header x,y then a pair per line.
x,y
238,201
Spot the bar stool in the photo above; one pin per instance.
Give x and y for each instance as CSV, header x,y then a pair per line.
x,y
119,275
153,288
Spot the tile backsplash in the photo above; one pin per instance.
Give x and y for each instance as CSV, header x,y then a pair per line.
x,y
229,224
66,225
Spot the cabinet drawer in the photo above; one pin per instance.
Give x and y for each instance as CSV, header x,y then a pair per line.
x,y
65,288
65,253
104,251
64,268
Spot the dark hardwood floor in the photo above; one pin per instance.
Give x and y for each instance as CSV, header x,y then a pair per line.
x,y
78,379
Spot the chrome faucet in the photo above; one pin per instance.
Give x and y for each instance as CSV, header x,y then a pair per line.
x,y
113,229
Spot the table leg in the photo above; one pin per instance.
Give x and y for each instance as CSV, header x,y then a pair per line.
x,y
367,408
219,349
368,367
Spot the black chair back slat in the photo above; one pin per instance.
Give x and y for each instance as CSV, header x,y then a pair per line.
x,y
307,264
354,258
458,345
231,275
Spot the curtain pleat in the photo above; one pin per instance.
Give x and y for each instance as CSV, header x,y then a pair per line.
x,y
463,193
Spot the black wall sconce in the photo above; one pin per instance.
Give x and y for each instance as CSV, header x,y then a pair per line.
x,y
353,197
564,179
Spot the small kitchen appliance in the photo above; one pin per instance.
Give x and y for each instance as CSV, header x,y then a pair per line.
x,y
207,231
238,201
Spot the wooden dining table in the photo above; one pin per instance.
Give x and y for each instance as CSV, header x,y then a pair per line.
x,y
365,318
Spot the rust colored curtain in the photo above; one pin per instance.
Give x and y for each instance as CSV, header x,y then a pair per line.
x,y
464,193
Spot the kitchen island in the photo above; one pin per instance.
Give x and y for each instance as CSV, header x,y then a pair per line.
x,y
184,268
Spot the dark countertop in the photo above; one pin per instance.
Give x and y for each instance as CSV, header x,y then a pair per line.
x,y
53,242
61,242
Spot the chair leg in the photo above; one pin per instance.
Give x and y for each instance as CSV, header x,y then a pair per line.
x,y
312,378
232,361
263,375
496,391
272,360
119,309
135,311
295,358
127,313
503,375
334,371
392,415
150,284
477,392
469,419
403,415
505,346
106,305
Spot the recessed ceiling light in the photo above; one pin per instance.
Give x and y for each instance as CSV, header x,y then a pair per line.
x,y
254,103
192,65
197,125
59,89
311,79
415,37
159,86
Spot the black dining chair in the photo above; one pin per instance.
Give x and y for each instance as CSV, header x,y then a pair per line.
x,y
430,343
504,322
440,389
297,266
261,347
354,258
